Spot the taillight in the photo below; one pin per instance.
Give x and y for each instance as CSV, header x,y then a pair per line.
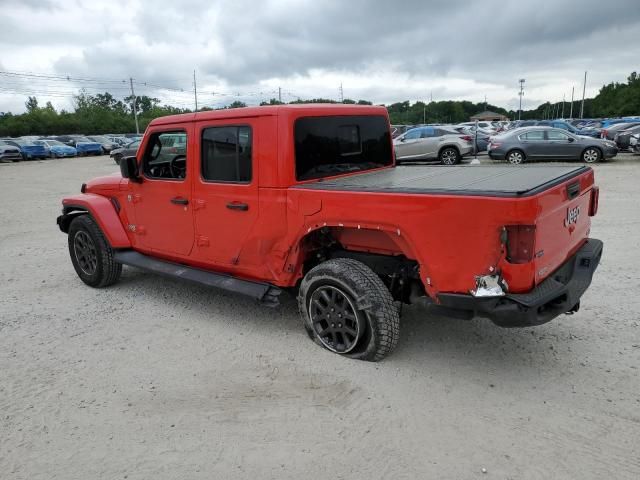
x,y
603,134
495,145
595,199
520,243
467,138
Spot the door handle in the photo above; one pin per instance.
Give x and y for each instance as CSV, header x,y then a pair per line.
x,y
243,207
179,201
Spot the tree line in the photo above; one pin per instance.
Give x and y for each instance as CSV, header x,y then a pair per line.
x,y
102,113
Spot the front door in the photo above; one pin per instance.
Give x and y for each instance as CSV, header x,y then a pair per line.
x,y
225,192
162,201
562,145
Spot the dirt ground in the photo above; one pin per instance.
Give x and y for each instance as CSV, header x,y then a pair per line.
x,y
154,379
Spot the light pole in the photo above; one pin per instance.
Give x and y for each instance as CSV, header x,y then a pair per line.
x,y
521,93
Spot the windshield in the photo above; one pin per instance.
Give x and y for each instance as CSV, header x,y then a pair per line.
x,y
326,146
82,139
100,139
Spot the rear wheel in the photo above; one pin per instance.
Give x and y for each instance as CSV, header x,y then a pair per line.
x,y
347,309
515,157
591,155
91,254
449,156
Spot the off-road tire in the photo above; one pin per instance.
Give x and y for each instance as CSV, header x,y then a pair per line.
x,y
107,270
370,297
449,156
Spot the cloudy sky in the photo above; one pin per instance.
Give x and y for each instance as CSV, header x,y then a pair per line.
x,y
378,50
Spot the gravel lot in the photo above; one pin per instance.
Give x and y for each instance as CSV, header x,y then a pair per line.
x,y
156,379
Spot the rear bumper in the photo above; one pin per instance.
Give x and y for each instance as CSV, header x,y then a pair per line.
x,y
559,293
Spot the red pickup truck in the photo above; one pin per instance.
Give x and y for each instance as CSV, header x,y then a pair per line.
x,y
307,198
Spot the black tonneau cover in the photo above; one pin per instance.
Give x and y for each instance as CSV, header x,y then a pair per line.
x,y
479,180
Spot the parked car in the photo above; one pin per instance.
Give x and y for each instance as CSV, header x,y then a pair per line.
x,y
547,143
564,125
84,146
28,148
119,153
623,137
9,153
508,244
107,145
432,143
57,149
483,137
610,132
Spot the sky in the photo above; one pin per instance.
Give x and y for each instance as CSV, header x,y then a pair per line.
x,y
380,51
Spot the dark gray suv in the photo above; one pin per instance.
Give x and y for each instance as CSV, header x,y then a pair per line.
x,y
546,143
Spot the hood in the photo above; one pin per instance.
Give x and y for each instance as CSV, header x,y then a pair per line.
x,y
105,184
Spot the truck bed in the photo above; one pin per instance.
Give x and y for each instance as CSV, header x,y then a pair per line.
x,y
478,180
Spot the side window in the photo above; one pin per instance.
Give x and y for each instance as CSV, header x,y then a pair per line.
x,y
534,135
556,135
226,153
166,156
428,132
413,134
560,125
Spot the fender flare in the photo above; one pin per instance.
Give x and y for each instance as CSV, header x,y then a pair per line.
x,y
102,210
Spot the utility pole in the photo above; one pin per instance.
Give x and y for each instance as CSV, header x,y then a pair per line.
x,y
195,91
135,109
280,94
521,93
341,93
571,112
424,113
562,116
584,88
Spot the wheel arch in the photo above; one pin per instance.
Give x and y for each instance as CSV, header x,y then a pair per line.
x,y
515,149
384,249
102,210
449,145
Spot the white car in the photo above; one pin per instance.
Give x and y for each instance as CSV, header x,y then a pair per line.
x,y
432,143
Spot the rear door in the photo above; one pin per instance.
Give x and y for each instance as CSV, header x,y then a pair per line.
x,y
225,190
534,144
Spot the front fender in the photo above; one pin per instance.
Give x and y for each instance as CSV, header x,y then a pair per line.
x,y
102,211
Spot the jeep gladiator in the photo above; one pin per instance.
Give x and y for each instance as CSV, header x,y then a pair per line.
x,y
307,198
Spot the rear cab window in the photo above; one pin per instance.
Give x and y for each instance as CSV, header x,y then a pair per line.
x,y
333,145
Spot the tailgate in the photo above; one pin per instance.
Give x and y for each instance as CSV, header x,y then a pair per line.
x,y
563,223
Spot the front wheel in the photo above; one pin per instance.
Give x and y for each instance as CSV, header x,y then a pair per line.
x,y
591,155
347,309
91,254
449,156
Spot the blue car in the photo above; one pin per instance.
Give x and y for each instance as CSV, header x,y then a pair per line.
x,y
84,146
28,149
57,149
564,125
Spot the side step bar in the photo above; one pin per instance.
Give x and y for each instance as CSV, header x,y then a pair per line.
x,y
263,292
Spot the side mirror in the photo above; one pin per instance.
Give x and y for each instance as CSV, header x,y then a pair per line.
x,y
571,139
402,139
129,168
